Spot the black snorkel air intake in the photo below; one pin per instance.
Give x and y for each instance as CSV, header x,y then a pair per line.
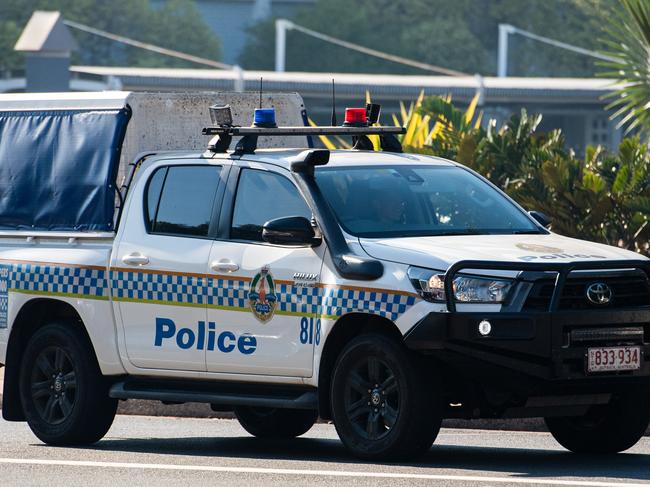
x,y
348,264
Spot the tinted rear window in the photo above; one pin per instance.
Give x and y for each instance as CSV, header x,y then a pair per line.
x,y
186,200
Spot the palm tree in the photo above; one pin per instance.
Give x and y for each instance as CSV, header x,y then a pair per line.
x,y
628,44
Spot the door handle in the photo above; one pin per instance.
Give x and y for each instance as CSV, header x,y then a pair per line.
x,y
136,258
224,265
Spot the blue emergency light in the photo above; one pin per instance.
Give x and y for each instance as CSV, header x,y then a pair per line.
x,y
264,117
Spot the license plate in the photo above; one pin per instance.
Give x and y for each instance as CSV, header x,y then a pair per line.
x,y
607,359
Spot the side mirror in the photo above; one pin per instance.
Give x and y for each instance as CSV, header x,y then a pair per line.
x,y
291,230
541,218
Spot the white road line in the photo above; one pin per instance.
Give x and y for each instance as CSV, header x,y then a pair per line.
x,y
320,473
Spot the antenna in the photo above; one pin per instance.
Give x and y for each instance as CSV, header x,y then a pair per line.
x,y
333,105
261,92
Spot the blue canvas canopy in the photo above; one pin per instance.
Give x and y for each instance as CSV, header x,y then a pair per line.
x,y
58,168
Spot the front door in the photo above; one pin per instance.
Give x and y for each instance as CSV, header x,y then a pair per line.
x,y
158,275
263,298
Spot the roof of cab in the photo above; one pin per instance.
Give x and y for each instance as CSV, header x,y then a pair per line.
x,y
282,157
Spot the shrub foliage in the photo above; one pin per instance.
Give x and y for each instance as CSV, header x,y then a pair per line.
x,y
603,197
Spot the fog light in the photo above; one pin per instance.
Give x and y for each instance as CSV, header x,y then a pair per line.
x,y
484,327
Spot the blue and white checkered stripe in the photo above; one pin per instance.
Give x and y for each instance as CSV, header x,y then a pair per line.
x,y
299,300
233,294
191,290
227,293
158,287
337,302
4,294
42,278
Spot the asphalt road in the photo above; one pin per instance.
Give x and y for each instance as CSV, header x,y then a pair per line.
x,y
166,452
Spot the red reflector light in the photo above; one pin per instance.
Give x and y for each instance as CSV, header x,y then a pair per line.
x,y
355,116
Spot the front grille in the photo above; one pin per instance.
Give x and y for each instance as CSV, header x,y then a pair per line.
x,y
627,292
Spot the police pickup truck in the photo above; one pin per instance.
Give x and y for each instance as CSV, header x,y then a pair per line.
x,y
380,290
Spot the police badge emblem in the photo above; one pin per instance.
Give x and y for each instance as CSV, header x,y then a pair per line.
x,y
261,295
538,248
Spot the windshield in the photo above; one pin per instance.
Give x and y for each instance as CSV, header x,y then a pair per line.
x,y
404,201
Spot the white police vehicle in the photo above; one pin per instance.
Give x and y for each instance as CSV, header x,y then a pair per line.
x,y
383,291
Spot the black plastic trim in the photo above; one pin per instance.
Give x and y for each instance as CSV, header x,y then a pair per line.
x,y
128,181
348,264
219,393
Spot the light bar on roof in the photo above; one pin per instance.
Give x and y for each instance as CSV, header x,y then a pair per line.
x,y
235,131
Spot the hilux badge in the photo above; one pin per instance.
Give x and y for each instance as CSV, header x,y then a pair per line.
x,y
261,295
599,293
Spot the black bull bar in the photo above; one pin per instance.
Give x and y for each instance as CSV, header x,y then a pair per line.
x,y
562,269
529,342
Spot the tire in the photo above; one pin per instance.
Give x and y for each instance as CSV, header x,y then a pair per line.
x,y
275,423
64,396
382,405
610,428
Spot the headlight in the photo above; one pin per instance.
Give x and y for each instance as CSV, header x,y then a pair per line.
x,y
467,289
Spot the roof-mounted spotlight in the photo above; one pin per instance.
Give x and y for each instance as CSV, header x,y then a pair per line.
x,y
373,110
221,116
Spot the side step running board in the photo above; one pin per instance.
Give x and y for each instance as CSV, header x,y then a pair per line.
x,y
216,393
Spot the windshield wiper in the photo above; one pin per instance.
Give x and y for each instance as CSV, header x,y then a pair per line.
x,y
486,232
458,232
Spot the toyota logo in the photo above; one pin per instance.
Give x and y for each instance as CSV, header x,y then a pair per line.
x,y
599,293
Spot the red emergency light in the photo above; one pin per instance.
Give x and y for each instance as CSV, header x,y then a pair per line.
x,y
355,117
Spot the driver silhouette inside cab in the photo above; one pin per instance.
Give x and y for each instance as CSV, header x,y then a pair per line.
x,y
378,202
386,200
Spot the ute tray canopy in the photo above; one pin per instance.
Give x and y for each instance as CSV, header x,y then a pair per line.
x,y
58,168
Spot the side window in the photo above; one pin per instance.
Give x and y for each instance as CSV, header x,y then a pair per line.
x,y
263,196
185,202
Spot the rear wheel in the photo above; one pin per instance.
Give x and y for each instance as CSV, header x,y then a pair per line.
x,y
382,405
610,428
64,396
275,423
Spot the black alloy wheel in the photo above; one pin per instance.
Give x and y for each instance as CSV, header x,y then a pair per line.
x,y
53,385
372,398
607,428
386,402
62,391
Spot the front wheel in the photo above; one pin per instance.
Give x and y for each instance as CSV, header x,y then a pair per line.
x,y
383,405
609,428
64,396
275,423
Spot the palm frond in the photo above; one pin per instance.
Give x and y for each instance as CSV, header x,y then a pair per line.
x,y
628,43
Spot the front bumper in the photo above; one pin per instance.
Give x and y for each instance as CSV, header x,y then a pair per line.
x,y
540,345
550,345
